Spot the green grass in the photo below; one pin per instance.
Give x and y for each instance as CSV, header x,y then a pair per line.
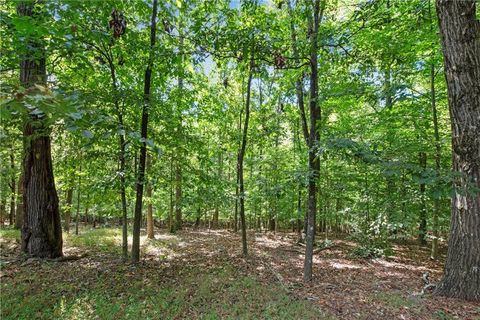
x,y
102,239
9,234
220,294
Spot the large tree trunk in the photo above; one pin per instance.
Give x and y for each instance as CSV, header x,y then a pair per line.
x,y
313,160
42,230
460,34
143,149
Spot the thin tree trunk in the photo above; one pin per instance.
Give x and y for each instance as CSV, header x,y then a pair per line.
x,y
12,188
19,211
219,178
460,35
314,138
150,233
241,156
122,144
178,196
68,209
77,215
42,230
422,229
143,149
170,212
438,155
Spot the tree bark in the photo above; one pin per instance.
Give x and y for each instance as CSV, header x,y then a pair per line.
x,y
314,137
178,196
41,230
241,156
12,188
77,215
68,210
422,228
460,35
143,149
150,233
219,178
122,144
438,154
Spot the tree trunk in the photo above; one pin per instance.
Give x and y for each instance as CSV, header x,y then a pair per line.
x,y
219,178
460,35
178,196
422,228
122,144
41,230
3,210
150,234
68,210
12,188
19,211
143,149
436,201
314,138
241,156
77,215
170,211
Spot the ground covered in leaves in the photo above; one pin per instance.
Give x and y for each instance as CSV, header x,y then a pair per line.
x,y
200,274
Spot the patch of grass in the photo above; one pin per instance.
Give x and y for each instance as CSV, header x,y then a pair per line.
x,y
103,239
395,300
9,234
64,291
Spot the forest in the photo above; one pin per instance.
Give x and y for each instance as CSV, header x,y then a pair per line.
x,y
240,159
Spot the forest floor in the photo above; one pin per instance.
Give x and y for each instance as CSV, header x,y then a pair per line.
x,y
200,274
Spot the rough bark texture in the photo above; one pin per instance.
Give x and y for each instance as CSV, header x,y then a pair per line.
x,y
41,230
313,160
460,35
137,220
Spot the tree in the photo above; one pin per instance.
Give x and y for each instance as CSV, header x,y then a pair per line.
x,y
314,138
144,130
41,230
460,36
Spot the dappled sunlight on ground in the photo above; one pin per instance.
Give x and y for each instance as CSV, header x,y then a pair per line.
x,y
202,268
